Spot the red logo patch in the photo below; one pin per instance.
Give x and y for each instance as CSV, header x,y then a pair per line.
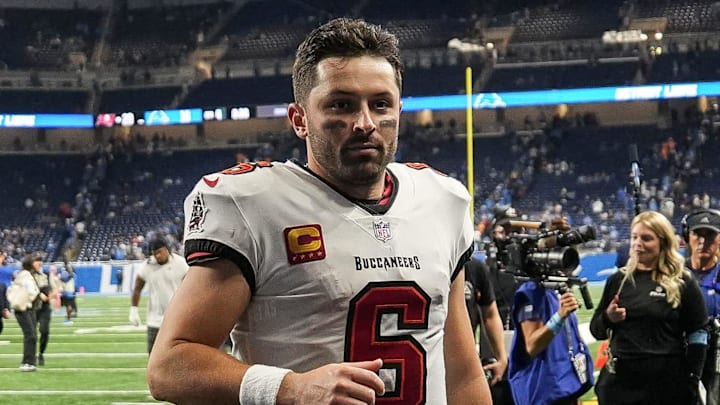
x,y
304,244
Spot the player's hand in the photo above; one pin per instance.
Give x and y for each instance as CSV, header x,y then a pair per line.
x,y
343,383
497,369
568,304
134,316
6,313
614,312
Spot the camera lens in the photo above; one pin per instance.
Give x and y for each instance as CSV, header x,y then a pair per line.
x,y
573,237
565,259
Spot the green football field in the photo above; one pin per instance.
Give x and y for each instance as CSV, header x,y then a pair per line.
x,y
99,359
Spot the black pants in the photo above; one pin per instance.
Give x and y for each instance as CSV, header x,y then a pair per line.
x,y
711,376
502,393
28,324
651,381
43,320
151,336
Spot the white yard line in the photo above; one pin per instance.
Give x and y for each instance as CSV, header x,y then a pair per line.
x,y
584,329
76,369
54,334
51,355
73,392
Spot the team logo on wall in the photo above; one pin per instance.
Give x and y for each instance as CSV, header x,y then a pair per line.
x,y
382,230
198,214
304,244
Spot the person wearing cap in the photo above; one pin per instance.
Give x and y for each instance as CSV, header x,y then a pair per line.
x,y
27,318
162,274
701,231
4,306
43,308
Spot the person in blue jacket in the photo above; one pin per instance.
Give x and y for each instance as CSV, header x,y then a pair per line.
x,y
550,364
701,232
4,306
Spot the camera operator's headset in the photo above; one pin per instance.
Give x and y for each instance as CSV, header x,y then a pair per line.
x,y
685,228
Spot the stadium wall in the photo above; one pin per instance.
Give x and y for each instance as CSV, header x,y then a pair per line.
x,y
97,277
101,277
57,4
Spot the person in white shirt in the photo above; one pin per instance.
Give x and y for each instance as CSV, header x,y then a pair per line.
x,y
162,274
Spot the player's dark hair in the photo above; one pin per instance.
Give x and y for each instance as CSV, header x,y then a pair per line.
x,y
342,37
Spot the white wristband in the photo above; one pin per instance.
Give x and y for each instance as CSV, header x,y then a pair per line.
x,y
261,384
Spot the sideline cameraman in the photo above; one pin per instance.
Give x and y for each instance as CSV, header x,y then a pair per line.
x,y
701,231
503,282
482,307
550,364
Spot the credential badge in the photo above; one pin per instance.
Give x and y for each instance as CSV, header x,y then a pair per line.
x,y
382,230
197,216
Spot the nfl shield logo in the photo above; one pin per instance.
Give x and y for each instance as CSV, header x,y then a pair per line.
x,y
382,230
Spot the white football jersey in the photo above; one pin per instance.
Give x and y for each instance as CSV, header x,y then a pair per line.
x,y
334,282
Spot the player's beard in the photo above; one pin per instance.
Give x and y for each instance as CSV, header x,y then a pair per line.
x,y
338,162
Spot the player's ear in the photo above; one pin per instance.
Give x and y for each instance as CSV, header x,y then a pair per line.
x,y
296,114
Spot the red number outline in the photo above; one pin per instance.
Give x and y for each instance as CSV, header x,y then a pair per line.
x,y
420,166
242,168
402,353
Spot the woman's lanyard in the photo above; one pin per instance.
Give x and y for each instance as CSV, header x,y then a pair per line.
x,y
578,359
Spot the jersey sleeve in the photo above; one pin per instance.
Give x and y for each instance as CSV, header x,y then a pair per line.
x,y
465,243
215,228
142,271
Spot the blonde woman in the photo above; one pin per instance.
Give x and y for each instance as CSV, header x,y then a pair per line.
x,y
654,313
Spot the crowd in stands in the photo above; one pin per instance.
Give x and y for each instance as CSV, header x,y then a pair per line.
x,y
123,192
132,189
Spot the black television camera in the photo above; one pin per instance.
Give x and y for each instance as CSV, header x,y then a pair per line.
x,y
547,256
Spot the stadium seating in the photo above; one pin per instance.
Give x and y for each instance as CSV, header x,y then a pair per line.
x,y
34,188
554,45
683,15
562,21
685,67
562,76
241,91
43,101
161,35
137,99
31,38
